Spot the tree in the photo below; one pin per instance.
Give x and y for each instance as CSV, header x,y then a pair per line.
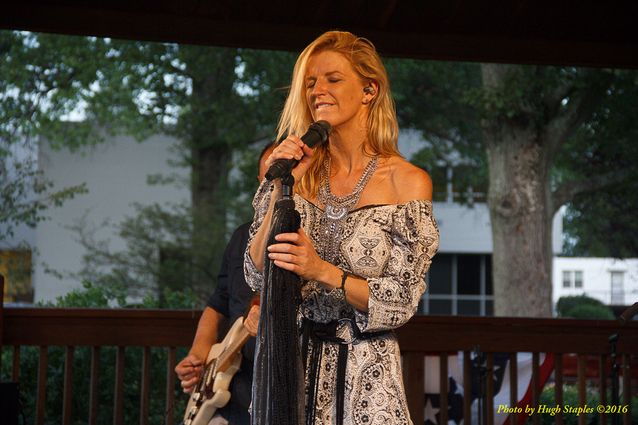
x,y
602,223
531,123
217,101
25,194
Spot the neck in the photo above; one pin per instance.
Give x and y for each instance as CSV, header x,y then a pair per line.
x,y
347,149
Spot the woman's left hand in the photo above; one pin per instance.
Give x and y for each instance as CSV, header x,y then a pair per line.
x,y
294,252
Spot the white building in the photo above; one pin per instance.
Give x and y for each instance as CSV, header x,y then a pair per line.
x,y
612,281
116,171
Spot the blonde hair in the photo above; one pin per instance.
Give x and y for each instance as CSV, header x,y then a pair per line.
x,y
383,129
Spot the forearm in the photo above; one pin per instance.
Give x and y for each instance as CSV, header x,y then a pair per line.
x,y
258,244
356,288
206,334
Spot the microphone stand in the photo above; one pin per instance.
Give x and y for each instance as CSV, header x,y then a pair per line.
x,y
287,183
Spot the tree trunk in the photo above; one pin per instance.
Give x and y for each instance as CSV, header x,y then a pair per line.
x,y
519,203
213,78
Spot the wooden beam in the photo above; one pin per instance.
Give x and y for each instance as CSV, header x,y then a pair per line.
x,y
592,34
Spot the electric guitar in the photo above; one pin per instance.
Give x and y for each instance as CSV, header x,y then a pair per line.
x,y
223,361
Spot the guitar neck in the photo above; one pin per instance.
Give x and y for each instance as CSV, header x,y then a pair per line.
x,y
226,358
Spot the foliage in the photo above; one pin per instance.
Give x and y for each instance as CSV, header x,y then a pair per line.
x,y
449,104
218,102
599,225
434,98
601,222
591,312
570,398
25,194
582,307
92,296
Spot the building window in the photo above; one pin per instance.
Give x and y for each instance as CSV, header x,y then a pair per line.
x,y
572,278
459,284
567,279
15,267
617,288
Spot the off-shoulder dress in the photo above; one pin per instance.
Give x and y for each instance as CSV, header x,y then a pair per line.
x,y
391,246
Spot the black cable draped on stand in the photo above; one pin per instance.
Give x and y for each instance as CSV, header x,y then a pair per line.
x,y
278,392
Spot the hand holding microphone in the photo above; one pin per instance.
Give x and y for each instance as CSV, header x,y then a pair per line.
x,y
296,153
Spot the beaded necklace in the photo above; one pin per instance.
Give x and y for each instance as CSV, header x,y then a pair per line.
x,y
336,208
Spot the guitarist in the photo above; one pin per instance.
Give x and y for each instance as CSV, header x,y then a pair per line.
x,y
231,299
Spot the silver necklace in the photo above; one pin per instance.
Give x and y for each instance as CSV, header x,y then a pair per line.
x,y
336,208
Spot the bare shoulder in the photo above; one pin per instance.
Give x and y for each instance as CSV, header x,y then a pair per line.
x,y
410,182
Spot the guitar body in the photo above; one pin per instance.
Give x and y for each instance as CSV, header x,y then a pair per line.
x,y
223,362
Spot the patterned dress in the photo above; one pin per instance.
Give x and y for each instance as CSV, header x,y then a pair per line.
x,y
392,247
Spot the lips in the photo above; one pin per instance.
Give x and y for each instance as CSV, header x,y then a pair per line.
x,y
321,105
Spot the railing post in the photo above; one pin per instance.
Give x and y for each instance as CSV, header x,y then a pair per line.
x,y
443,388
602,386
513,386
145,387
489,390
582,389
170,385
414,382
94,387
558,387
67,400
43,361
536,387
626,387
118,408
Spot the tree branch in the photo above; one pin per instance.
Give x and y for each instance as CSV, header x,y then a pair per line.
x,y
568,190
578,110
554,100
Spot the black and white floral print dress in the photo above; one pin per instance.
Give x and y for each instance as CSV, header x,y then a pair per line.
x,y
392,247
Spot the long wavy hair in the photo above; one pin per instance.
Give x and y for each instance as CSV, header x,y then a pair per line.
x,y
382,126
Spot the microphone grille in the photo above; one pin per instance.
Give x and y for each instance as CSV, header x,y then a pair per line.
x,y
323,127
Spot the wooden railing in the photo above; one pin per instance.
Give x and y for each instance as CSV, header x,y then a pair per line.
x,y
564,338
97,328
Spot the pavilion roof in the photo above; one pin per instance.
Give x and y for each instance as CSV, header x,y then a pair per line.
x,y
588,33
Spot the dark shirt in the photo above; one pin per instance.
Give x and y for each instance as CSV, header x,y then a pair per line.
x,y
232,298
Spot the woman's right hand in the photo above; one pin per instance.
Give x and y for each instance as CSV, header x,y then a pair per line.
x,y
293,148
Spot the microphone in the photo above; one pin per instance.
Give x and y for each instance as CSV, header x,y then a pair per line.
x,y
317,133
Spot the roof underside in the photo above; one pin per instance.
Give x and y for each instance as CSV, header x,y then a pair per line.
x,y
588,33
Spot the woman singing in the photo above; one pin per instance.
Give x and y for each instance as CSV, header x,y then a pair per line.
x,y
367,237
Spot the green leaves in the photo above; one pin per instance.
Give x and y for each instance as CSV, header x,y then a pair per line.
x,y
219,102
582,119
25,195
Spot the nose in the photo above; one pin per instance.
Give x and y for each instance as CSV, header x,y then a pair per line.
x,y
319,88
